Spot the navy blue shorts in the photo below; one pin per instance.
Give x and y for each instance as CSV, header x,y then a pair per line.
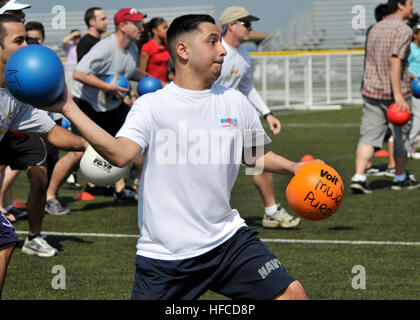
x,y
243,267
7,232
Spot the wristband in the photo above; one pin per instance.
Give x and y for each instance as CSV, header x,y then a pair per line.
x,y
266,115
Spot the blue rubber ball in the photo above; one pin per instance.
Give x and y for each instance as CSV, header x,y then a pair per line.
x,y
121,81
65,123
148,84
34,74
416,88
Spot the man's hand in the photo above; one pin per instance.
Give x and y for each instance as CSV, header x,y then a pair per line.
x,y
58,105
400,101
130,99
412,76
297,165
274,124
115,90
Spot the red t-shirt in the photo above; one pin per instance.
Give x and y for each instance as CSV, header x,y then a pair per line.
x,y
158,59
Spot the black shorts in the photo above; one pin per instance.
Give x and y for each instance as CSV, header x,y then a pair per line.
x,y
243,267
110,121
7,232
21,152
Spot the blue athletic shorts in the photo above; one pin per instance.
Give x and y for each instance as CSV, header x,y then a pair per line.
x,y
243,267
7,232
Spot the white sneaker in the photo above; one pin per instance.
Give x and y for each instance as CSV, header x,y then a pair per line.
x,y
280,219
414,155
38,246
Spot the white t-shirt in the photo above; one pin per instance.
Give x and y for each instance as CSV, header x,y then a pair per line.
x,y
187,177
16,115
237,74
105,58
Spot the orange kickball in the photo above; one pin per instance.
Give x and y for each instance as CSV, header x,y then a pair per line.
x,y
316,191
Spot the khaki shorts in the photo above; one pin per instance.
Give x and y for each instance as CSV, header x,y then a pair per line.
x,y
375,124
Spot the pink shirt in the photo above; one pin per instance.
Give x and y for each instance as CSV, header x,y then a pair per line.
x,y
71,53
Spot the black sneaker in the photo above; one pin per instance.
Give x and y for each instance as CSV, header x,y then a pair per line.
x,y
72,182
409,183
17,212
360,187
372,171
128,194
107,191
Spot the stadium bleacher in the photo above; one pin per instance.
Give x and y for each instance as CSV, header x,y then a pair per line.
x,y
325,25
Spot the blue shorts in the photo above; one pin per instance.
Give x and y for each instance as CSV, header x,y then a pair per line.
x,y
7,232
243,267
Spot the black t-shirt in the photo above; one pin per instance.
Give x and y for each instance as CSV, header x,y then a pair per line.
x,y
87,42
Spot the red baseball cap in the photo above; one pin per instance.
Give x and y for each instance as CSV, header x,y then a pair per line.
x,y
128,14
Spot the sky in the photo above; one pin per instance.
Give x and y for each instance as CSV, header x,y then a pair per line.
x,y
273,13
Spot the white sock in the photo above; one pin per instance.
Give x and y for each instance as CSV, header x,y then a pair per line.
x,y
359,177
272,209
400,177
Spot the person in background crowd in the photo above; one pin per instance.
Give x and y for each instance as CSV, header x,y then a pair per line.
x,y
154,54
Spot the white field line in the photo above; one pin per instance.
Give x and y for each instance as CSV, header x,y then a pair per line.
x,y
321,125
348,242
76,234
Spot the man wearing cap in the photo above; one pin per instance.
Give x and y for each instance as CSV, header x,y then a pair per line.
x,y
100,100
6,6
237,74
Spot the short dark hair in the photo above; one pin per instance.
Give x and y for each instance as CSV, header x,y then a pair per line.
x,y
185,24
6,18
90,14
393,5
381,11
35,25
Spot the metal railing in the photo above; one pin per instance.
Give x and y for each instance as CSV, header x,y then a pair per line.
x,y
308,79
301,80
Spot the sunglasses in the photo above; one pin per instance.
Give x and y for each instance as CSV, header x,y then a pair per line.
x,y
138,24
246,24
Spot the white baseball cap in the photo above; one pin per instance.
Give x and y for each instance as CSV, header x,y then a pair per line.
x,y
13,5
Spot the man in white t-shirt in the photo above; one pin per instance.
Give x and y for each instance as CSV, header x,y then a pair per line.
x,y
197,134
20,117
237,74
102,101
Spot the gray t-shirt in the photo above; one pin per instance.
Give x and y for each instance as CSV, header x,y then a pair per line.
x,y
16,115
105,58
